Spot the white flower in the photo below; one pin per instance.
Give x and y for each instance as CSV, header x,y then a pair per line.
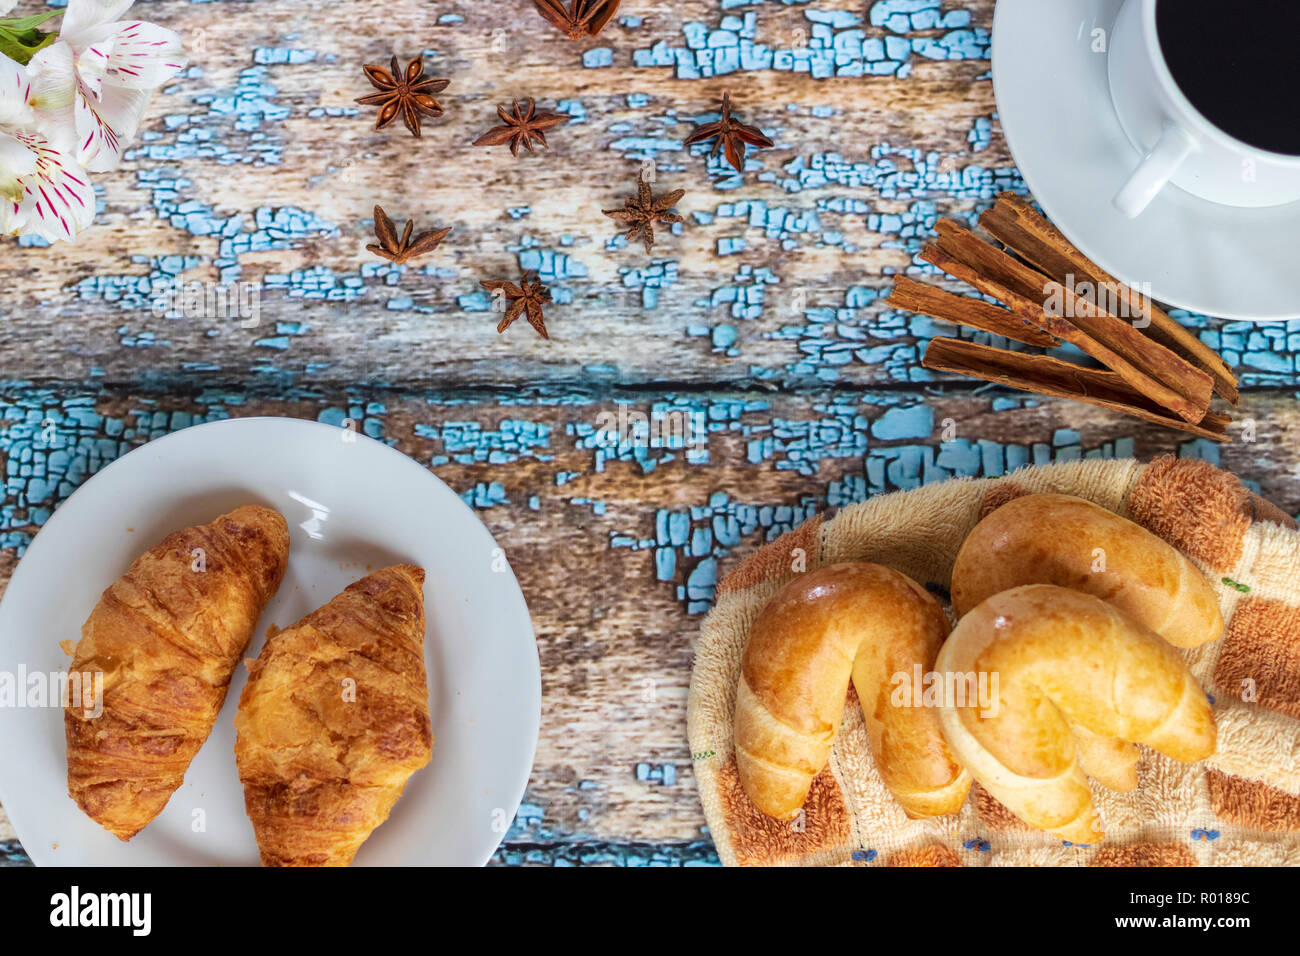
x,y
15,91
74,108
42,191
98,78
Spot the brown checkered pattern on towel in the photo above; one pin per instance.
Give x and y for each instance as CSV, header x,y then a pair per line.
x,y
1241,807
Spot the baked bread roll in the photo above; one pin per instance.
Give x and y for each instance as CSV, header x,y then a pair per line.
x,y
847,621
1073,543
1066,659
167,636
1108,760
334,720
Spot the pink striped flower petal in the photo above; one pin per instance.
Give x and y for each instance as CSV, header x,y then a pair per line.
x,y
53,94
16,161
106,124
144,56
57,198
15,90
92,65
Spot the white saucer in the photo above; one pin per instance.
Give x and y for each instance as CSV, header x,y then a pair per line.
x,y
353,505
1053,98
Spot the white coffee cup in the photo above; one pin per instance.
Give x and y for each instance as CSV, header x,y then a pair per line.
x,y
1180,147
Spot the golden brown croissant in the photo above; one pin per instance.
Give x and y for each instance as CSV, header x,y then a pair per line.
x,y
1066,660
167,637
853,621
1073,543
334,720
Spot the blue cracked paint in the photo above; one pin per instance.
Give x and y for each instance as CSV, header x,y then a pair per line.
x,y
52,442
834,43
468,443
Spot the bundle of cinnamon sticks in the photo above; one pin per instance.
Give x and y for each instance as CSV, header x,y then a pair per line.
x,y
1154,368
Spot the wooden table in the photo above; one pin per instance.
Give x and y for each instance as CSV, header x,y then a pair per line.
x,y
762,319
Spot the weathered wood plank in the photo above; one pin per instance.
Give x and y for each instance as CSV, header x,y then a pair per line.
x,y
589,544
282,199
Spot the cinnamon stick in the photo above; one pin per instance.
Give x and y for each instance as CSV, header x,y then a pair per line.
x,y
1148,366
1045,375
1032,311
1216,422
965,310
1014,222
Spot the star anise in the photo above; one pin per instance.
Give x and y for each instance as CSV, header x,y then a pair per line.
x,y
400,250
645,210
583,16
526,299
522,127
731,134
408,94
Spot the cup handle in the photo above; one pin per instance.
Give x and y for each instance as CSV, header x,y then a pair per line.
x,y
1157,168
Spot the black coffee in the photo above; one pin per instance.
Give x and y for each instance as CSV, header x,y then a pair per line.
x,y
1239,64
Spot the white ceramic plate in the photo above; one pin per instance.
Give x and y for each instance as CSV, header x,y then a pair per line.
x,y
1054,102
353,505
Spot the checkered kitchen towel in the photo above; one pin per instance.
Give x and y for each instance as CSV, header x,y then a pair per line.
x,y
1242,806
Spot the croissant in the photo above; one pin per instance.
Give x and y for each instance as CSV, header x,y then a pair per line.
x,y
1063,540
334,720
1065,659
166,637
853,621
